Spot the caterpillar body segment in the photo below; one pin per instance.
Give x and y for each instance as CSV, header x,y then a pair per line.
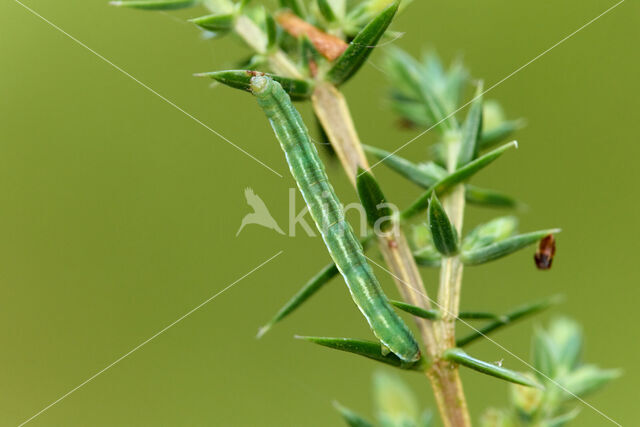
x,y
328,215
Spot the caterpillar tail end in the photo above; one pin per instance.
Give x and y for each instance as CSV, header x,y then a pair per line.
x,y
406,355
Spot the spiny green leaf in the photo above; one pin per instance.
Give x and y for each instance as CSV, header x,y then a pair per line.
x,y
455,80
215,22
423,176
490,232
471,168
504,247
416,311
509,318
566,335
326,10
411,111
587,379
418,83
369,349
489,198
445,236
457,177
458,356
435,314
544,359
499,133
478,315
296,6
241,79
350,417
471,130
437,111
271,30
379,214
396,404
155,4
361,47
308,290
427,258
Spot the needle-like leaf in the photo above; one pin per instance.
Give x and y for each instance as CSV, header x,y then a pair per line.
x,y
296,6
479,315
379,214
503,247
361,46
457,355
471,130
271,30
155,4
326,10
457,177
416,311
423,176
370,349
350,417
587,379
499,133
308,290
509,318
409,77
435,314
490,198
427,258
241,79
395,402
445,236
215,22
490,232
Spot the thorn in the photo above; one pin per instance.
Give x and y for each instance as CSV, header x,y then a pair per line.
x,y
263,330
515,144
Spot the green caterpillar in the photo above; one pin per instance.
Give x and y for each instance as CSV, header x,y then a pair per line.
x,y
327,213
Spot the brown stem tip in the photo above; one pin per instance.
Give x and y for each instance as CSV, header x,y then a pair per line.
x,y
331,47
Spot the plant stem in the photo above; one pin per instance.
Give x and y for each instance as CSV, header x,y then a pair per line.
x,y
331,109
451,270
334,115
449,297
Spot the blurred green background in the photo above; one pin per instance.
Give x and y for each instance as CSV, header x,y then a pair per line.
x,y
119,214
